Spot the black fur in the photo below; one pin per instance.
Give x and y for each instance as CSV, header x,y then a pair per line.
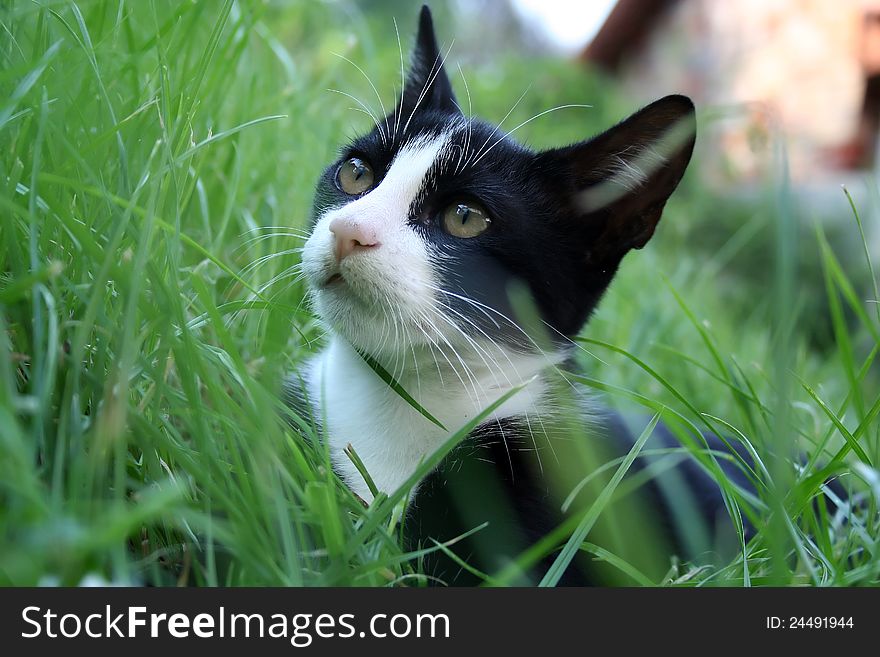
x,y
677,512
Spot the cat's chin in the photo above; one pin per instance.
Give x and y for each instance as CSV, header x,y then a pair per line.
x,y
334,279
366,327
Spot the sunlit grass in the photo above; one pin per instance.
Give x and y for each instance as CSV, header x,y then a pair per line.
x,y
151,151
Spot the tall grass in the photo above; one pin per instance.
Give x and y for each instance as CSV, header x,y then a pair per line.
x,y
156,167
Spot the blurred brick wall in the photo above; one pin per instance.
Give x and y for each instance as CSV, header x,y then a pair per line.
x,y
796,66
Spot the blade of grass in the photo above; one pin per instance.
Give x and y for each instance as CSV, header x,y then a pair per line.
x,y
392,383
576,540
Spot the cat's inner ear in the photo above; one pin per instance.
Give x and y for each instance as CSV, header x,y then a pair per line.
x,y
427,86
619,181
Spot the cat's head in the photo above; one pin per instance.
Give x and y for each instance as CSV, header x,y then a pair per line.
x,y
421,227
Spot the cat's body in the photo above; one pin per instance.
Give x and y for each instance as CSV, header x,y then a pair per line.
x,y
428,234
505,474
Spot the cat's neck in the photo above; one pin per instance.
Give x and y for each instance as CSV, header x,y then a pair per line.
x,y
391,436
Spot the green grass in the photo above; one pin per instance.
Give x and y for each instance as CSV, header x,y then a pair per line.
x,y
143,147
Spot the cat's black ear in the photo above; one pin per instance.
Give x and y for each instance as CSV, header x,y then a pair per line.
x,y
620,180
427,85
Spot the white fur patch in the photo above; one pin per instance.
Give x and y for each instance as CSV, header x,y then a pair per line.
x,y
388,434
388,289
388,306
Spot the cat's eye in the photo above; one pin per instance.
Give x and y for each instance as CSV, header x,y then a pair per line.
x,y
355,176
465,219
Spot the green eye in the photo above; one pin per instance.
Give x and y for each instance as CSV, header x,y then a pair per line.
x,y
354,176
465,219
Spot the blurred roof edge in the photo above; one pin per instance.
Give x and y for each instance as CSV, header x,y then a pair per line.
x,y
626,26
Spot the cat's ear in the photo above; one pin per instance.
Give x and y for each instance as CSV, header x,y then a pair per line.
x,y
427,85
619,181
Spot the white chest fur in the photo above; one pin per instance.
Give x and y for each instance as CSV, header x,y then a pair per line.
x,y
388,434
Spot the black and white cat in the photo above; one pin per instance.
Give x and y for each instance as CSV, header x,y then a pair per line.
x,y
421,230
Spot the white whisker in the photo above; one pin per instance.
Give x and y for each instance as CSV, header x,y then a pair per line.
x,y
375,91
527,121
428,84
402,81
364,109
498,127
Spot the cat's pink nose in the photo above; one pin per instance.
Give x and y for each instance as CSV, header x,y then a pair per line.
x,y
351,235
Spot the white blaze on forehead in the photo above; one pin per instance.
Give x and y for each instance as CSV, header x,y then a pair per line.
x,y
395,279
407,174
385,209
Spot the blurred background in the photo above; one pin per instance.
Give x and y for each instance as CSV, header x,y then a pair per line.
x,y
788,93
807,68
